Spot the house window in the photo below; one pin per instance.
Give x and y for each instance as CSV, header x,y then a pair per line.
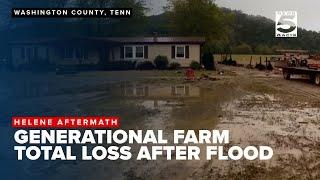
x,y
128,52
180,51
68,53
31,52
133,52
23,52
139,51
78,53
81,53
140,91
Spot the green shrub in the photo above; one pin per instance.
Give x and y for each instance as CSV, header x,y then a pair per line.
x,y
208,61
161,62
195,65
174,65
263,49
146,65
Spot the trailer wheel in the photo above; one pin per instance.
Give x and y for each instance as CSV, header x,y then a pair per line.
x,y
286,75
312,78
317,79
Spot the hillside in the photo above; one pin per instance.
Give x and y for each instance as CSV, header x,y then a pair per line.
x,y
255,31
249,34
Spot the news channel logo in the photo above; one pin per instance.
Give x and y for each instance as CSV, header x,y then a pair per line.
x,y
286,24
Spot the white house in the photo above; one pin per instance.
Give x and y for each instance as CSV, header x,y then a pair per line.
x,y
71,51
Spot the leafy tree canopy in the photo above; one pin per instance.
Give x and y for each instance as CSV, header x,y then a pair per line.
x,y
199,18
242,49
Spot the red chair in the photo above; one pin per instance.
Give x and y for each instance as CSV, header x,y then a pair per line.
x,y
190,75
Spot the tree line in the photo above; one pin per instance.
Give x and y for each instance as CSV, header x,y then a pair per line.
x,y
226,31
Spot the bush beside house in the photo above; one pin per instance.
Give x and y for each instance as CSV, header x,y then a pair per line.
x,y
161,62
195,65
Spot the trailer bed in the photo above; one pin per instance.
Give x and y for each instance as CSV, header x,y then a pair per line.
x,y
314,74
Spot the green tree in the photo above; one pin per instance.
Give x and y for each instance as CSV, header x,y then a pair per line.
x,y
208,61
29,27
263,49
242,49
277,47
40,4
199,18
134,25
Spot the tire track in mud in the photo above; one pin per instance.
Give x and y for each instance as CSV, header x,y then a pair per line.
x,y
298,88
286,165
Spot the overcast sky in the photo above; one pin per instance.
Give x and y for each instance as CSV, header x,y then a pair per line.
x,y
308,10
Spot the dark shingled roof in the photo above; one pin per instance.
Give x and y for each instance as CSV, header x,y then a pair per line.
x,y
131,40
196,40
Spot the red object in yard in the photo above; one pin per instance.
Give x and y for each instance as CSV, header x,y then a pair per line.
x,y
190,74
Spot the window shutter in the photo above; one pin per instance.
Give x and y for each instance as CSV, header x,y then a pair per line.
x,y
173,52
121,52
187,52
146,53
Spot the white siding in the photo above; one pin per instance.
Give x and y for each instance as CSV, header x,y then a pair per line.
x,y
165,50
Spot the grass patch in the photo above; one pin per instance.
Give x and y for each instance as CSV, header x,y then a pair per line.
x,y
245,58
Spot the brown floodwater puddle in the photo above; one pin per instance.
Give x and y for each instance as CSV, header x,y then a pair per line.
x,y
170,106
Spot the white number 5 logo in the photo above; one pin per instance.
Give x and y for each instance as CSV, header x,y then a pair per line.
x,y
286,24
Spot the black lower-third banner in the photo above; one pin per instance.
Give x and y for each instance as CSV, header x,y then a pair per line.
x,y
71,12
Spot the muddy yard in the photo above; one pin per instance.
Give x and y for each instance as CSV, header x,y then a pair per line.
x,y
259,108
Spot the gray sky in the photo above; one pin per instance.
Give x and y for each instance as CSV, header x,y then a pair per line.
x,y
308,10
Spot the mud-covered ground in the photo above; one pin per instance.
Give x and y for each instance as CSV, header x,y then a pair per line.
x,y
282,114
259,108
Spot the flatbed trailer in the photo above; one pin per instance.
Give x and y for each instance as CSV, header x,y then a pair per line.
x,y
314,74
